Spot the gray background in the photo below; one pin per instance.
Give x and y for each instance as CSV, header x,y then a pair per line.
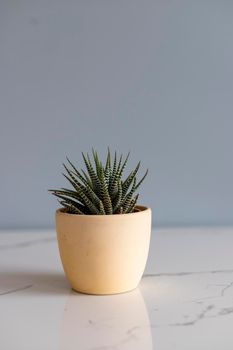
x,y
153,77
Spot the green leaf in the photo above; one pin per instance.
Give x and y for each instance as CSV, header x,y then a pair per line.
x,y
70,201
124,165
74,182
71,208
127,199
78,174
108,160
118,199
115,179
102,211
94,178
105,194
131,206
142,179
118,175
97,162
80,196
86,177
129,179
107,170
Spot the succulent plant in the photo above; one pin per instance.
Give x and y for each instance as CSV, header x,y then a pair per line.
x,y
100,189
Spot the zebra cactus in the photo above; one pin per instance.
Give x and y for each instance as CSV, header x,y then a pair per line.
x,y
100,190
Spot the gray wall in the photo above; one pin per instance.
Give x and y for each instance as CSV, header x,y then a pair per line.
x,y
155,77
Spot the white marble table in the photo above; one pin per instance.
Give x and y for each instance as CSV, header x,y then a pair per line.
x,y
185,300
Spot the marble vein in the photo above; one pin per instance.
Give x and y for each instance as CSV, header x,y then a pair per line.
x,y
219,295
10,291
228,286
188,273
199,317
226,311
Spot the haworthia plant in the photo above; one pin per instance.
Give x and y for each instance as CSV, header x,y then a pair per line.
x,y
100,189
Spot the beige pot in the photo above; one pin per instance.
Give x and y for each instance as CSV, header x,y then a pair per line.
x,y
104,254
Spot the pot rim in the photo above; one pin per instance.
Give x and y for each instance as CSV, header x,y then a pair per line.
x,y
142,208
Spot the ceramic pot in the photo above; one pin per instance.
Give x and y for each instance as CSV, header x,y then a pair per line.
x,y
104,254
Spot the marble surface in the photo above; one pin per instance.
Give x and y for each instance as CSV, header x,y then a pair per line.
x,y
184,301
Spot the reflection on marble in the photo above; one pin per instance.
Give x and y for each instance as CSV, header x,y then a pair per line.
x,y
184,301
101,322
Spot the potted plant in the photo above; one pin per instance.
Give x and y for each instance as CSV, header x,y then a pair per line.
x,y
103,235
